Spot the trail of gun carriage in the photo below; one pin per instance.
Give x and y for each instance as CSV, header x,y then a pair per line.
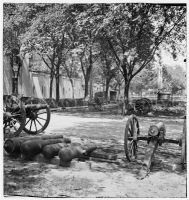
x,y
94,100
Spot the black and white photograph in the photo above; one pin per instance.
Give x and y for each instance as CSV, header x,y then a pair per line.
x,y
94,99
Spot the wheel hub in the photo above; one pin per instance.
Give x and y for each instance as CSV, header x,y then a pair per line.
x,y
33,115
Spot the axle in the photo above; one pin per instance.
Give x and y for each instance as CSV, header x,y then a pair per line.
x,y
166,140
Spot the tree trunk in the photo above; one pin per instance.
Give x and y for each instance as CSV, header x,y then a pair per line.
x,y
119,91
91,87
71,81
126,97
57,84
126,92
91,73
107,88
57,89
87,77
51,86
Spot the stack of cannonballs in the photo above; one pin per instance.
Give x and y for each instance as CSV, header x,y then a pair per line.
x,y
49,146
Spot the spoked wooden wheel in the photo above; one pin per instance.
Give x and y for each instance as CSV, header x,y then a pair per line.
x,y
37,120
183,151
130,140
14,116
143,106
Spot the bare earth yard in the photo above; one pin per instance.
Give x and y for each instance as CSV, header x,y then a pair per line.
x,y
99,179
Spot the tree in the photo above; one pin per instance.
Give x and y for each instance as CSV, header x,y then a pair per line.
x,y
146,79
87,54
16,19
108,67
47,36
117,83
70,68
87,46
135,32
174,79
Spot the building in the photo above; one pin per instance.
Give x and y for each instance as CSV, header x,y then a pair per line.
x,y
36,84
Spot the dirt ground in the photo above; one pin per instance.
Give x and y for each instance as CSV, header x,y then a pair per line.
x,y
99,179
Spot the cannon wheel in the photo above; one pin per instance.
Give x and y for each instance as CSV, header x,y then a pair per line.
x,y
183,151
36,120
143,106
14,116
131,130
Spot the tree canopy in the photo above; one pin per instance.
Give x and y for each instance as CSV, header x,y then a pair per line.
x,y
174,79
121,36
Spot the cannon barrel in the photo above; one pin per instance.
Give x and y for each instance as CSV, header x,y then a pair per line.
x,y
33,147
12,145
154,130
51,150
36,106
157,131
66,154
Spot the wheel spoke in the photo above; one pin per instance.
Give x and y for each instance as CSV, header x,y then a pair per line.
x,y
131,147
42,113
130,129
31,124
35,125
27,121
41,118
39,122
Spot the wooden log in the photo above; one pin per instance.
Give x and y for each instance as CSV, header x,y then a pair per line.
x,y
103,160
12,145
31,148
103,155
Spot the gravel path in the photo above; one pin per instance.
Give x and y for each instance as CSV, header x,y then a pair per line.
x,y
99,179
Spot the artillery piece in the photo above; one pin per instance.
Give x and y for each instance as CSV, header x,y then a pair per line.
x,y
29,114
155,138
143,106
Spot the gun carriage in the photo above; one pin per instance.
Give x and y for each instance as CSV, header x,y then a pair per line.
x,y
29,114
155,137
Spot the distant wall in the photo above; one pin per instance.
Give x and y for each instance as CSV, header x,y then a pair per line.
x,y
37,84
7,76
25,82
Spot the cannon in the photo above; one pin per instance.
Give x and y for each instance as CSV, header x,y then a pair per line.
x,y
140,107
29,114
155,137
143,106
